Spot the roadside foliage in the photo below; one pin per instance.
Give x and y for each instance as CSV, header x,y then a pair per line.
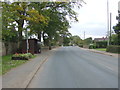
x,y
42,19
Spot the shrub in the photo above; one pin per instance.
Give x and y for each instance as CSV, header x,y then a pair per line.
x,y
80,45
113,49
92,46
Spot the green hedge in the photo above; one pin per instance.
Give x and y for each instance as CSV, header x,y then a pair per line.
x,y
113,49
101,44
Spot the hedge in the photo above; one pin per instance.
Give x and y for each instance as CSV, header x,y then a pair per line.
x,y
113,49
101,44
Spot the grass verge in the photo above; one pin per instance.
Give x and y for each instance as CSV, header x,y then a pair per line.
x,y
101,49
8,64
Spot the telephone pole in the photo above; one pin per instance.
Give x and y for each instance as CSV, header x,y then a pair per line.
x,y
110,26
84,35
108,21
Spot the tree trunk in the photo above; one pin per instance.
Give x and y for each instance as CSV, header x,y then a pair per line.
x,y
50,38
50,45
39,37
20,28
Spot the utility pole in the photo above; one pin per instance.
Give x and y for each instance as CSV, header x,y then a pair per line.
x,y
108,21
110,26
84,35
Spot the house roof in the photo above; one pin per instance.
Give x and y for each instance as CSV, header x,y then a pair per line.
x,y
101,39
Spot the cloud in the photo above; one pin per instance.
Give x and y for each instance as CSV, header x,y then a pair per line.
x,y
93,18
94,30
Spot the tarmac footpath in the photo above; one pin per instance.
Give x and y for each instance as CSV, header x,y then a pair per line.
x,y
21,76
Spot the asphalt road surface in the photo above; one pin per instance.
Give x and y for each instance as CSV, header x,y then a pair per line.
x,y
72,67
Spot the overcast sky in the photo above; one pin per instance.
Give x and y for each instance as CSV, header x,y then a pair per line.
x,y
93,18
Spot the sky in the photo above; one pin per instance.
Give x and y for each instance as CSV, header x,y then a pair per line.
x,y
93,18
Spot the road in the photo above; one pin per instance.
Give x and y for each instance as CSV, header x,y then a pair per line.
x,y
72,67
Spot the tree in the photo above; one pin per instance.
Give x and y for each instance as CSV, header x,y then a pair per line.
x,y
114,39
117,31
14,16
8,27
41,17
76,40
88,41
117,28
37,28
58,12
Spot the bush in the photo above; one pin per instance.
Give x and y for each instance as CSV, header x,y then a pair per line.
x,y
92,46
80,45
113,49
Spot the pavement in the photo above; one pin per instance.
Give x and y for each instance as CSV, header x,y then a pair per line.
x,y
20,76
65,67
72,67
103,52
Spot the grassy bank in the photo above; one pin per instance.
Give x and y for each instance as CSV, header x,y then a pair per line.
x,y
0,65
101,49
8,64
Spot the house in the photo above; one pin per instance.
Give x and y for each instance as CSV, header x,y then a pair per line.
x,y
101,39
101,42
